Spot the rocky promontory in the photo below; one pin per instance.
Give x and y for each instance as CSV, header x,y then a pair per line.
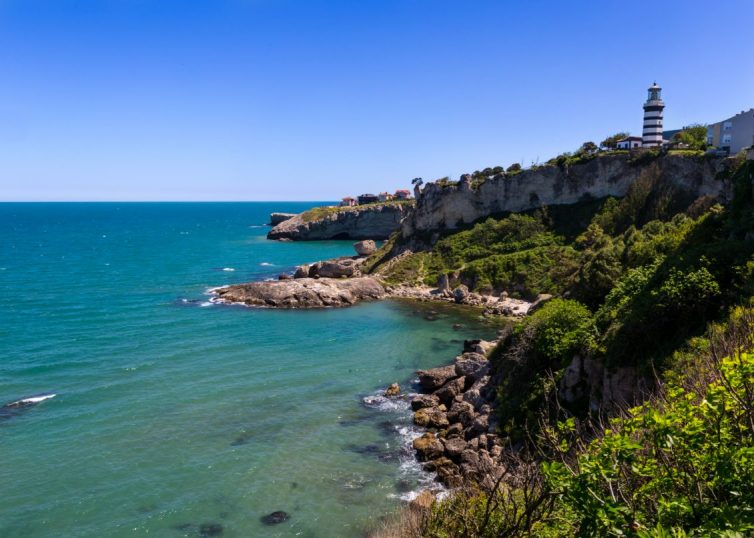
x,y
373,221
302,292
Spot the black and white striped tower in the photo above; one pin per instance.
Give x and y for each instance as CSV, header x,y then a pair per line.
x,y
652,133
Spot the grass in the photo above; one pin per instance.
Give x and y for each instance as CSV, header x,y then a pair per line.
x,y
318,213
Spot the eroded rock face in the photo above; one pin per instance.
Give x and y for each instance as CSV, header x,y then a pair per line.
x,y
277,218
448,208
303,292
374,221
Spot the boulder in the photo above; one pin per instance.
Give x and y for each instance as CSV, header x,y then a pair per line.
x,y
462,412
435,378
284,276
454,447
334,268
450,476
302,271
450,390
421,401
433,465
431,417
365,248
393,390
454,430
461,294
428,447
481,424
472,365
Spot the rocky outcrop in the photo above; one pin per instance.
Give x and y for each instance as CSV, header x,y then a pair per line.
x,y
302,292
443,207
373,221
277,218
462,444
365,248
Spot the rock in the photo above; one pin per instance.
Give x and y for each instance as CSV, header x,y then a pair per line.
x,y
480,424
428,447
423,501
275,517
461,294
284,276
374,221
302,271
431,417
443,283
474,395
334,268
458,326
462,412
472,365
450,390
435,378
393,390
277,218
210,529
303,292
454,430
424,400
541,299
435,464
450,476
454,447
365,248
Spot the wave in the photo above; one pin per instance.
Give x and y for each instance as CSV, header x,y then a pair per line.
x,y
229,269
267,264
31,400
410,469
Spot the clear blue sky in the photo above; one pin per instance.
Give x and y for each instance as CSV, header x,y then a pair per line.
x,y
312,100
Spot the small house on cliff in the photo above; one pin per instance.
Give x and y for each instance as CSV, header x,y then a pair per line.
x,y
630,142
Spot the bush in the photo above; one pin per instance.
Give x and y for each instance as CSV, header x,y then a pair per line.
x,y
561,329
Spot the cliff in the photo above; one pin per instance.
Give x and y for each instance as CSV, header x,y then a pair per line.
x,y
373,221
446,207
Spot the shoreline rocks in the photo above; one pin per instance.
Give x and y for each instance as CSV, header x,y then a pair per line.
x,y
302,292
461,444
277,218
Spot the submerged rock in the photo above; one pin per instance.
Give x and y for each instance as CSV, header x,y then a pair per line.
x,y
210,529
303,292
275,517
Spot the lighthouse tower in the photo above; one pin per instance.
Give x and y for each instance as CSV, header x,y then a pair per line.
x,y
652,133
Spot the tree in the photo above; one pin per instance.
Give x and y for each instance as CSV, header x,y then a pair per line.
x,y
515,167
611,142
588,147
693,136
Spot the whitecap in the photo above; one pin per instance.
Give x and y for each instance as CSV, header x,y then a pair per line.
x,y
207,303
267,264
229,269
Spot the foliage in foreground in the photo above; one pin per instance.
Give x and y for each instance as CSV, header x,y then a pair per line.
x,y
682,464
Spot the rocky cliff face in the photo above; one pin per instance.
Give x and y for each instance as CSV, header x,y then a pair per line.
x,y
376,221
450,207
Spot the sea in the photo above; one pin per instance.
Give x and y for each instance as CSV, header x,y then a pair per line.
x,y
159,413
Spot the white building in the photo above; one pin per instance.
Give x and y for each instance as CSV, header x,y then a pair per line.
x,y
630,142
733,134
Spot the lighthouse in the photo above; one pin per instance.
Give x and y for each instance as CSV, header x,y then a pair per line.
x,y
652,133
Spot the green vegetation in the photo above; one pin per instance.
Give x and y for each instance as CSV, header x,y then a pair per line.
x,y
657,284
694,137
317,213
681,464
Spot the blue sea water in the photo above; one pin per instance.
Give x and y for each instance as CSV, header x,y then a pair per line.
x,y
172,413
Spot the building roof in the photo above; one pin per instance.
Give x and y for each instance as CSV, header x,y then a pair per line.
x,y
629,139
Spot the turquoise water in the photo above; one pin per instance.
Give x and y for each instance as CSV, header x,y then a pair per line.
x,y
171,412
